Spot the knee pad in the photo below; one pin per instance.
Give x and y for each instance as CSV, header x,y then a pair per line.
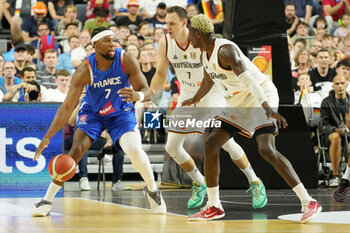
x,y
236,152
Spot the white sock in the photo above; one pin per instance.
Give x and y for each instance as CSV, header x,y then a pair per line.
x,y
250,174
302,193
347,173
213,196
51,192
196,176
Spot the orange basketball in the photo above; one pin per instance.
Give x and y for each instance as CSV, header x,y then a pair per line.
x,y
62,167
261,63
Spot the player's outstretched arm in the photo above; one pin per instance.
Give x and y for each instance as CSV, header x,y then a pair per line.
x,y
138,81
205,87
159,77
80,78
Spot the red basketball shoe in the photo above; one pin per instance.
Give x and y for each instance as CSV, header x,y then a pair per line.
x,y
208,213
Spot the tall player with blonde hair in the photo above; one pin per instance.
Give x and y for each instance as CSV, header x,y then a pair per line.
x,y
175,49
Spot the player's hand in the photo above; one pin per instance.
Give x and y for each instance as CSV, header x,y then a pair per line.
x,y
43,144
190,102
128,94
281,121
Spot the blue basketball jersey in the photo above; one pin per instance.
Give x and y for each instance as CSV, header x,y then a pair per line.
x,y
102,94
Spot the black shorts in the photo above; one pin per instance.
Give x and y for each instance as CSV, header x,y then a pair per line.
x,y
233,130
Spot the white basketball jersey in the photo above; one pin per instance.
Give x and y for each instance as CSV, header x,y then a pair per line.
x,y
187,65
236,93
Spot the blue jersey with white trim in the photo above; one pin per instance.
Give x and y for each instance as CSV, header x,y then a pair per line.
x,y
102,94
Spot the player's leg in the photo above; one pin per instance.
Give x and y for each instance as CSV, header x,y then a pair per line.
x,y
81,144
343,188
267,149
130,142
213,210
256,186
174,147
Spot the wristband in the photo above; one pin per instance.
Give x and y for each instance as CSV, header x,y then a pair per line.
x,y
141,96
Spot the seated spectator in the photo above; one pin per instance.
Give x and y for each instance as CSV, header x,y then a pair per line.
x,y
9,79
32,95
63,80
100,4
304,86
133,49
192,10
148,45
319,24
132,20
303,9
98,21
47,77
65,59
343,30
16,93
31,53
158,20
301,31
124,31
322,73
314,48
334,110
157,34
70,16
297,45
132,39
327,41
303,63
57,8
71,30
21,57
153,58
115,30
30,24
291,19
144,30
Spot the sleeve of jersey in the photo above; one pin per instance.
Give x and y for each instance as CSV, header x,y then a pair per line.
x,y
252,85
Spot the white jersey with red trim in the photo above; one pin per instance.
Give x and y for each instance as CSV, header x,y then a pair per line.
x,y
236,93
189,72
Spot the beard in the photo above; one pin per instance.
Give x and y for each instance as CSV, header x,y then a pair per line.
x,y
107,57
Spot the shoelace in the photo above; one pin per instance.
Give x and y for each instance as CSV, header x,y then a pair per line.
x,y
195,190
254,189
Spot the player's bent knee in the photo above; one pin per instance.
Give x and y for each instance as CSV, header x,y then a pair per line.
x,y
235,151
177,152
267,153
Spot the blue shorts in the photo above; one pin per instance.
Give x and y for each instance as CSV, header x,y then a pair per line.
x,y
117,123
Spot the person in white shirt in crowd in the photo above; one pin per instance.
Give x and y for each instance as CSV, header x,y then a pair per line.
x,y
79,54
59,94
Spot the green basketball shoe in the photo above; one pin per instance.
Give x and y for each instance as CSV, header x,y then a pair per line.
x,y
198,194
258,190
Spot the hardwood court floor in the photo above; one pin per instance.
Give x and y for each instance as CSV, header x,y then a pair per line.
x,y
127,211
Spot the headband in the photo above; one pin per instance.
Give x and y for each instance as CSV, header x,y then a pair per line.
x,y
102,34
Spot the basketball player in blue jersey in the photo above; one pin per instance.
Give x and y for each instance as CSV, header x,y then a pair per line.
x,y
245,88
175,49
107,76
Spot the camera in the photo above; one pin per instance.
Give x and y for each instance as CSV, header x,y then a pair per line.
x,y
33,95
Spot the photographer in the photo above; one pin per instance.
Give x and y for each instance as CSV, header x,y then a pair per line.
x,y
32,94
334,111
16,92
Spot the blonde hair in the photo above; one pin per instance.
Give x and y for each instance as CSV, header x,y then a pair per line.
x,y
202,23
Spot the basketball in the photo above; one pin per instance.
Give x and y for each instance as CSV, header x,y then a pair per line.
x,y
62,167
261,63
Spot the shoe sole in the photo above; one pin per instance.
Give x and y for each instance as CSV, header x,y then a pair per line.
x,y
313,216
206,219
337,200
39,215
